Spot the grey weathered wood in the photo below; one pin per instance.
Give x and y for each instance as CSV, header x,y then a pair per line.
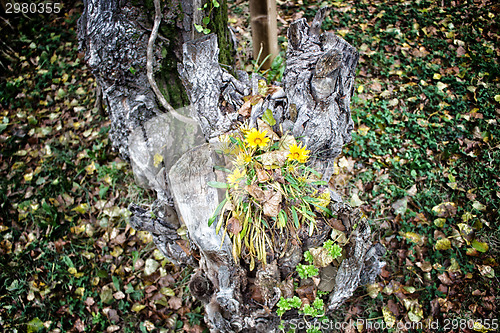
x,y
114,42
114,36
195,202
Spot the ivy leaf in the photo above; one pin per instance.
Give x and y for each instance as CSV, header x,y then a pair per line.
x,y
198,27
480,246
268,117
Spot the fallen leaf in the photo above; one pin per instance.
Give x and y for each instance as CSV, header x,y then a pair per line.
x,y
425,266
439,222
35,325
256,192
355,200
262,175
363,129
373,290
151,266
271,207
106,294
415,312
413,237
175,303
274,159
486,271
389,317
137,307
321,257
461,51
157,159
112,328
445,209
443,244
479,206
119,295
445,279
480,246
400,206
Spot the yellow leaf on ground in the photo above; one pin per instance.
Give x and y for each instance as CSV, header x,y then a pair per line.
x,y
389,317
138,307
443,244
413,237
373,290
363,129
445,209
90,168
82,208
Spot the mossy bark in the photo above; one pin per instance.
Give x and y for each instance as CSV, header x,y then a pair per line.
x,y
177,32
219,25
114,35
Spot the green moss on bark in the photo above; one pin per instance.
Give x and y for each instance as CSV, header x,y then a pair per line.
x,y
218,24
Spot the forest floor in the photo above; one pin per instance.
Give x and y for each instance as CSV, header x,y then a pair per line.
x,y
423,165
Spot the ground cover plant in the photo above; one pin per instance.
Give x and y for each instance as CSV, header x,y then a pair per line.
x,y
423,166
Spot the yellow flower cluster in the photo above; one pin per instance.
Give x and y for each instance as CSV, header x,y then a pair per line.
x,y
235,178
255,138
298,153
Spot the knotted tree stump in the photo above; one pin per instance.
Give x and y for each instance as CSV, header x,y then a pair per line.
x,y
175,154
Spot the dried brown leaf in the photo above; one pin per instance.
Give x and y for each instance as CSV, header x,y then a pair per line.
x,y
234,226
271,207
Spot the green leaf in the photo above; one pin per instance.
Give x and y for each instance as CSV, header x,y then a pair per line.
x,y
221,168
480,246
311,170
206,20
268,117
116,282
35,325
215,3
217,184
198,27
308,257
103,191
282,219
206,31
295,218
313,201
217,212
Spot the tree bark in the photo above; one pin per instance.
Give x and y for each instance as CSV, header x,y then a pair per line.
x,y
114,35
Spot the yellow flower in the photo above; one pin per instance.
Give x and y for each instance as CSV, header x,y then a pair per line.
x,y
242,158
255,138
235,178
298,153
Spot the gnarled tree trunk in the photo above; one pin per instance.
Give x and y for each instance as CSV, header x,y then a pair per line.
x,y
114,35
174,154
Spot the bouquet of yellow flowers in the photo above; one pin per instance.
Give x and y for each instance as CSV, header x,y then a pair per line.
x,y
271,193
